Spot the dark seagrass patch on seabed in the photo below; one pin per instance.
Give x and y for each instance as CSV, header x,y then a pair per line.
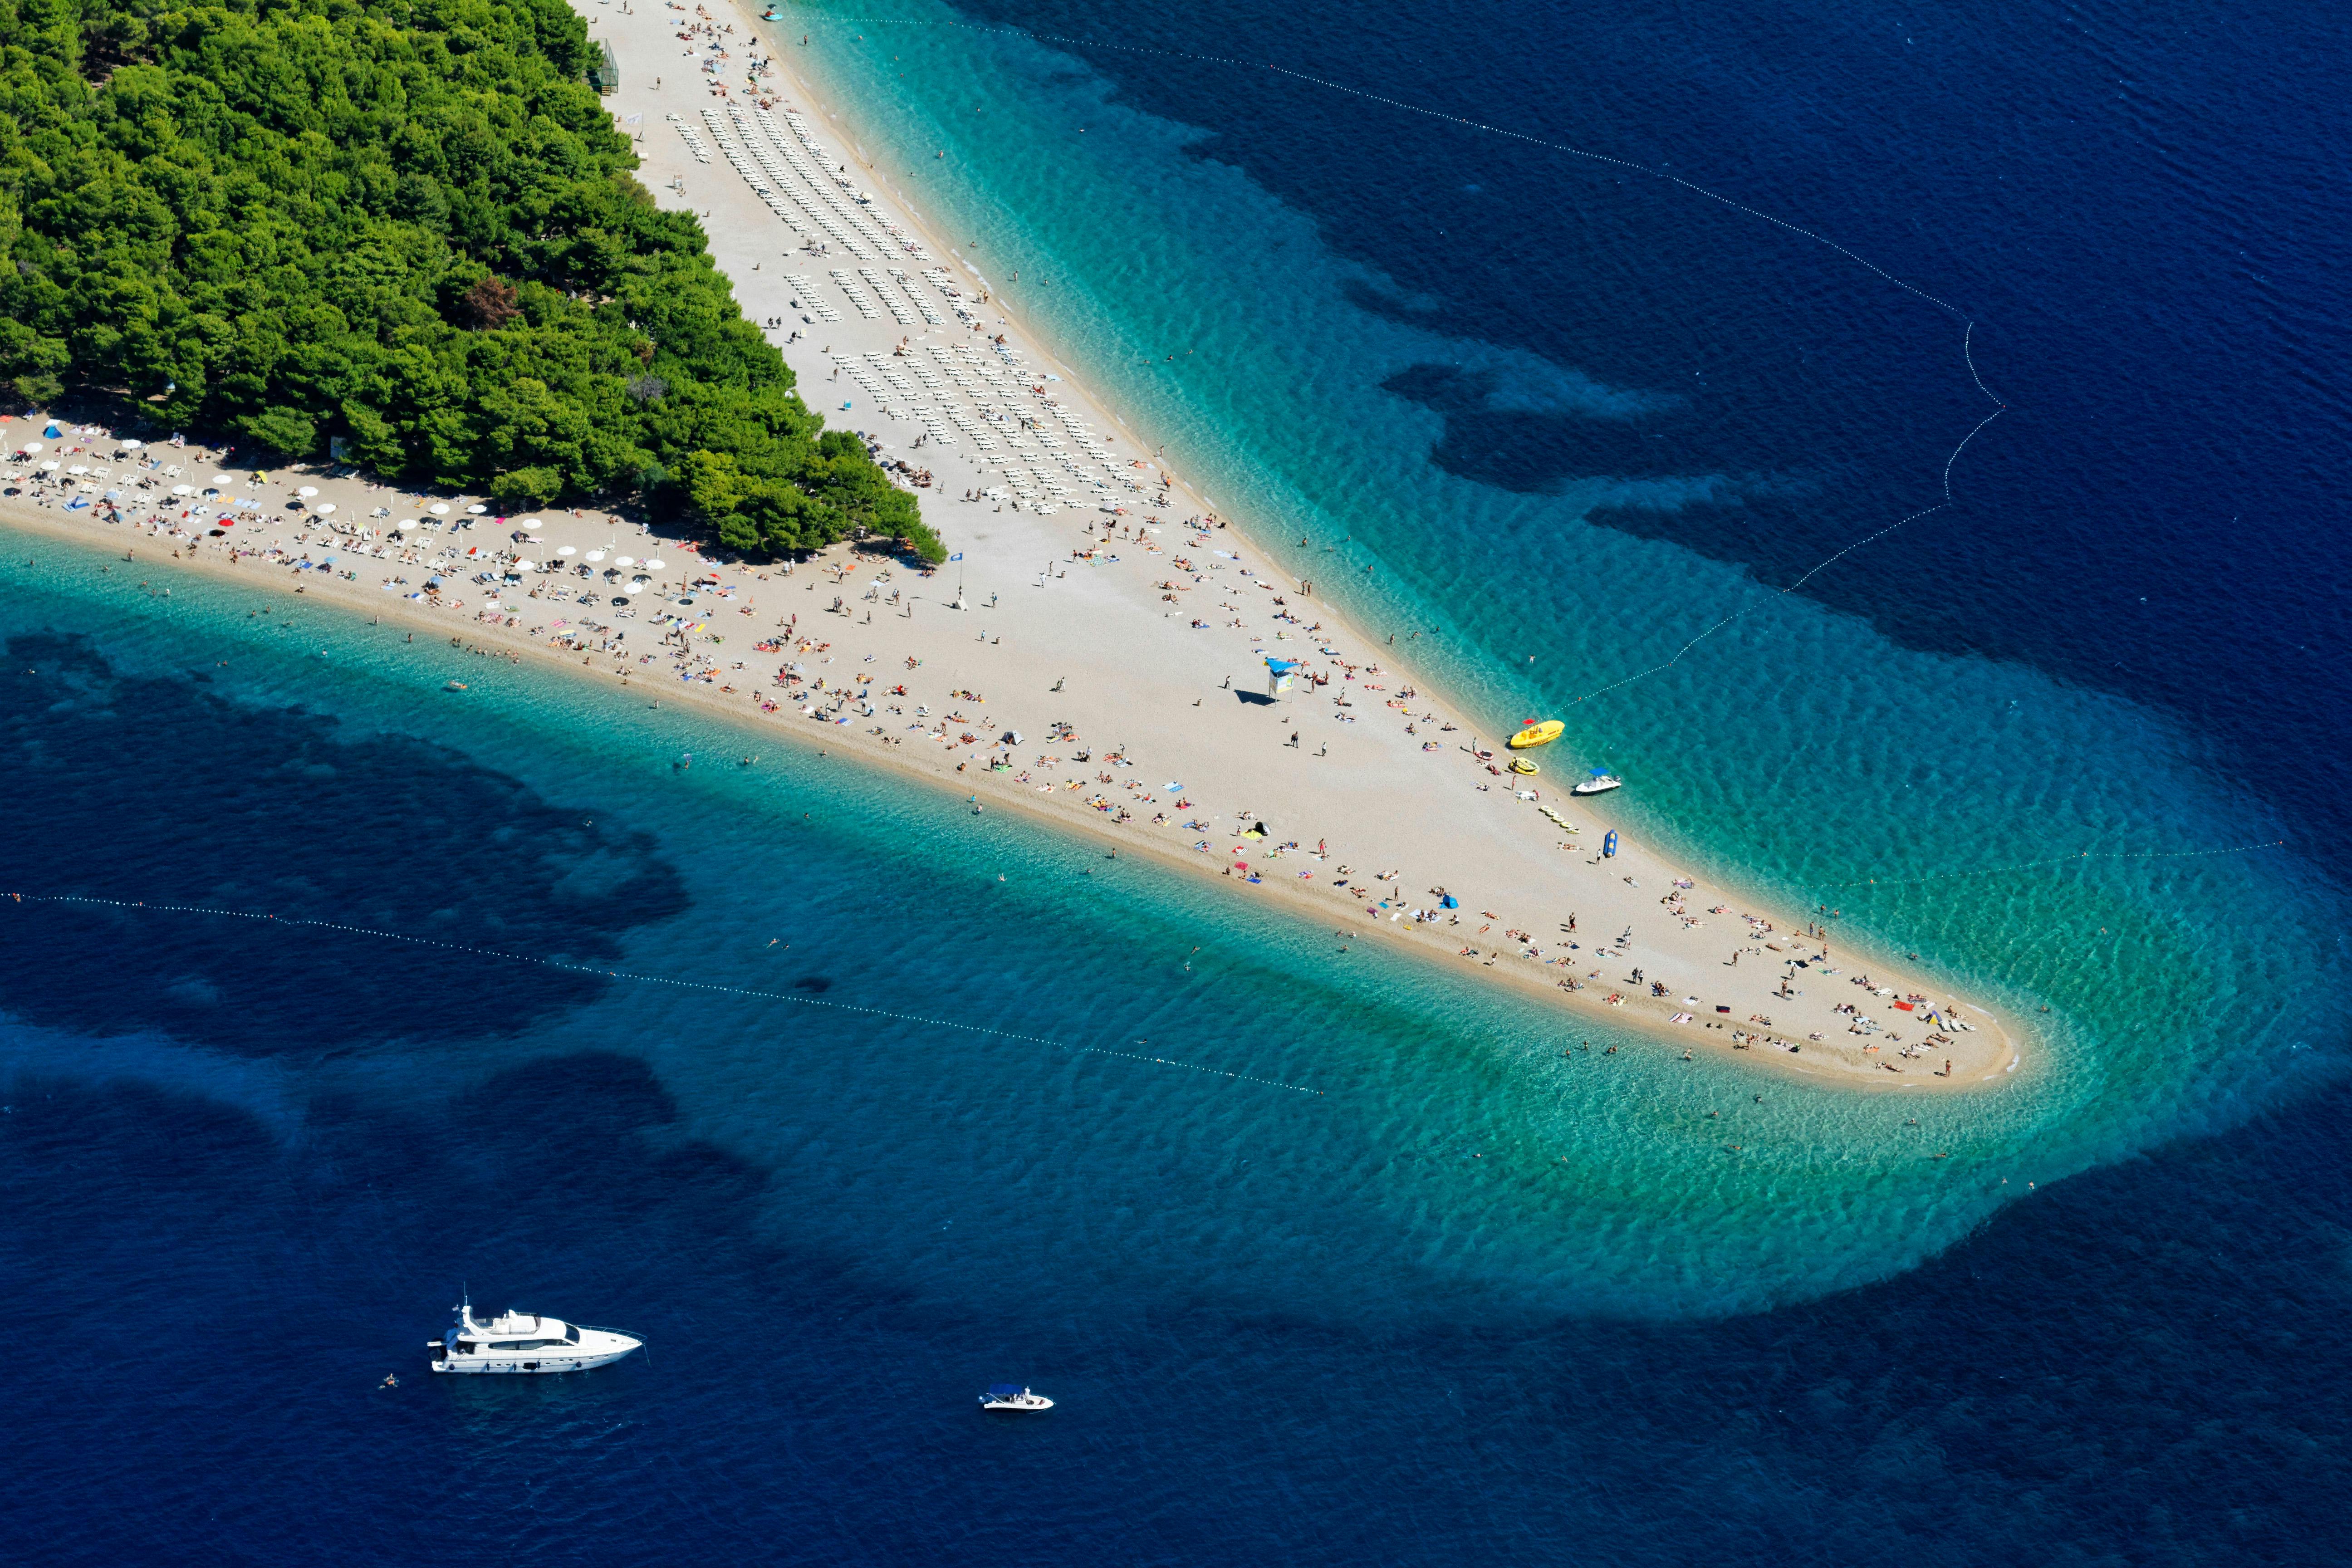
x,y
151,790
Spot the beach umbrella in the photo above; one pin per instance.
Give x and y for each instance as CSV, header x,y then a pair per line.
x,y
132,446
51,464
78,469
638,584
566,550
31,447
653,565
439,508
595,555
323,507
224,478
522,566
477,509
184,490
532,523
623,560
404,524
307,491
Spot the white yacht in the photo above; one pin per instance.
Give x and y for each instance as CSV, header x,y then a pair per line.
x,y
1010,1396
1599,784
520,1342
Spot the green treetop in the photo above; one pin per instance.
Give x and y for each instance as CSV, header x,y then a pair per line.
x,y
408,223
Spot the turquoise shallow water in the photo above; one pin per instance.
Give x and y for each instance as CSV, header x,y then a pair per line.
x,y
854,1104
1796,750
1451,1161
1436,1155
1450,1155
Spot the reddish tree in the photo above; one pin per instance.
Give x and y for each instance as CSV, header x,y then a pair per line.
x,y
493,302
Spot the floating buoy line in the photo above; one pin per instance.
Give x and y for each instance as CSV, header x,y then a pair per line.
x,y
754,993
1968,353
1967,335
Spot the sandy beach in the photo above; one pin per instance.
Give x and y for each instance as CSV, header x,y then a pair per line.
x,y
1099,656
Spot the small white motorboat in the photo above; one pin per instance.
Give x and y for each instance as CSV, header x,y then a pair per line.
x,y
1599,784
524,1343
1012,1397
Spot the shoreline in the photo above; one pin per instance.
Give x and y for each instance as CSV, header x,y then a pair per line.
x,y
1385,800
1643,1017
829,102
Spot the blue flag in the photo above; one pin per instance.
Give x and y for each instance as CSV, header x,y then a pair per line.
x,y
957,556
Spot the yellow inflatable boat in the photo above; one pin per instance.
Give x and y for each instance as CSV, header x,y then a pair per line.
x,y
1542,734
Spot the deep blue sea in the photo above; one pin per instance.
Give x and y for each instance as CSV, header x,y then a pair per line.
x,y
852,1104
